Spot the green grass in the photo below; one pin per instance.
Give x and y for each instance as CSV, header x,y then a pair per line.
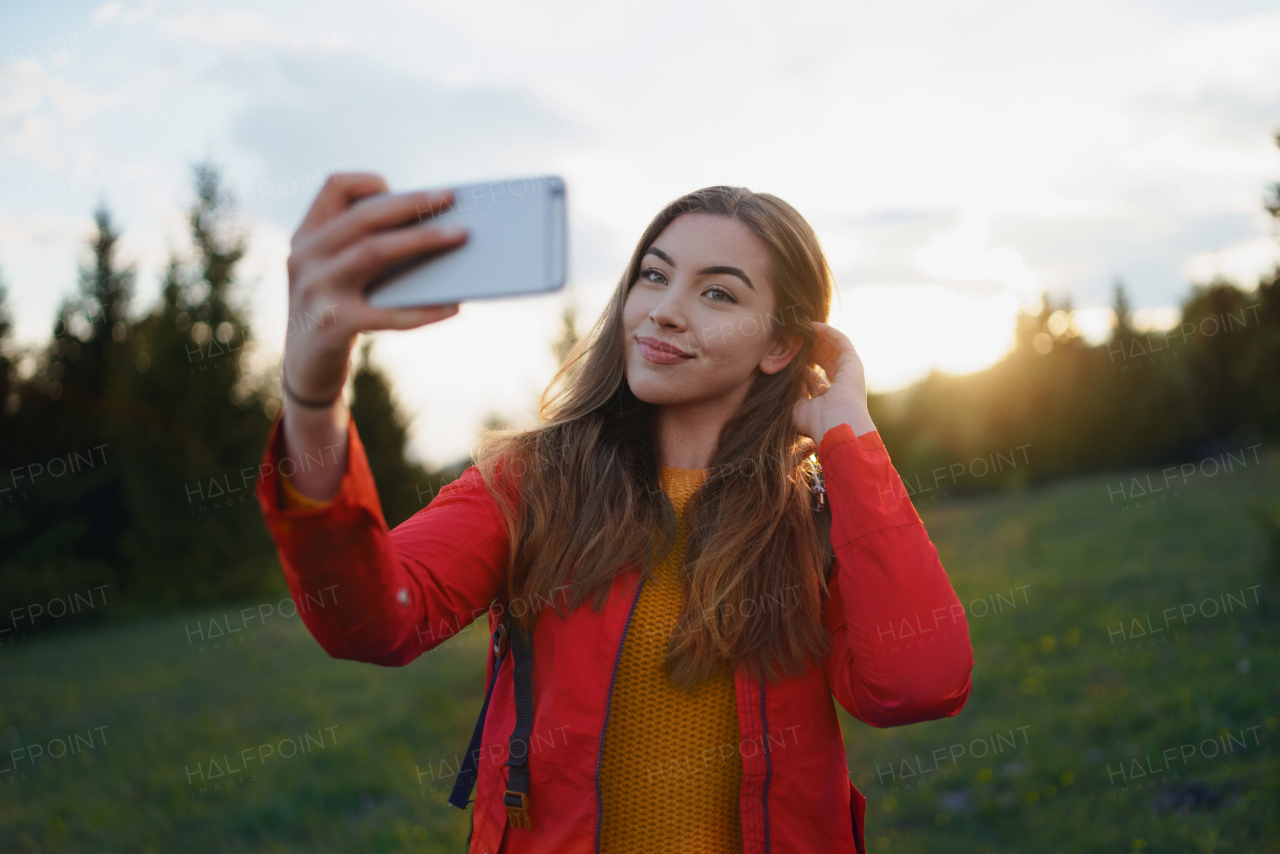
x,y
1092,699
169,708
1046,668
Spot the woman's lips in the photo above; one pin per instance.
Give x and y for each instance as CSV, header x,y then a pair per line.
x,y
653,350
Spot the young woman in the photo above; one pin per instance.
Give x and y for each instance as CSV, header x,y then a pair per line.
x,y
653,541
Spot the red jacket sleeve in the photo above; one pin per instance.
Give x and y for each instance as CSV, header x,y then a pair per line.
x,y
380,596
900,641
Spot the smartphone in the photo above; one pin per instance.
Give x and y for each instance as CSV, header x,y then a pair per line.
x,y
516,245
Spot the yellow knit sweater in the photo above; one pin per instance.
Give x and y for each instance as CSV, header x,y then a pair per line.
x,y
671,770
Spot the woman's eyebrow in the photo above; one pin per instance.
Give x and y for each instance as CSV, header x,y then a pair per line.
x,y
664,256
705,271
729,271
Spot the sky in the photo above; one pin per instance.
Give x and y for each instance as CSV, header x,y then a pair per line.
x,y
956,160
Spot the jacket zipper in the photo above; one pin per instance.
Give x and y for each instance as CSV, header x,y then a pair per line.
x,y
617,659
764,727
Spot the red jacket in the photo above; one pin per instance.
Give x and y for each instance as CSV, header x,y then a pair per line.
x,y
900,646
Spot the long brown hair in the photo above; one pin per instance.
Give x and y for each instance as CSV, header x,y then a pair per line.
x,y
585,502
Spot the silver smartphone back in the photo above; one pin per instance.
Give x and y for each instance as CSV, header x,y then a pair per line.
x,y
516,245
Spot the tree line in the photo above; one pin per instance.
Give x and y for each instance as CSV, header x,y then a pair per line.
x,y
129,444
1057,406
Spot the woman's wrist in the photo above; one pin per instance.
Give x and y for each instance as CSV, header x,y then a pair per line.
x,y
315,423
315,372
860,422
294,398
315,433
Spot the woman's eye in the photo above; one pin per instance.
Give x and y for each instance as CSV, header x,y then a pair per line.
x,y
728,297
646,274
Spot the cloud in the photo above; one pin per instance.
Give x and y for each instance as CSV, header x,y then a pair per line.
x,y
354,113
1243,263
1084,255
224,28
43,116
919,246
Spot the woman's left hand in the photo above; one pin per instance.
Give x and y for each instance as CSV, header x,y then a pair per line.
x,y
841,401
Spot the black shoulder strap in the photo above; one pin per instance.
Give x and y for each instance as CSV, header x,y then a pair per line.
x,y
516,796
461,795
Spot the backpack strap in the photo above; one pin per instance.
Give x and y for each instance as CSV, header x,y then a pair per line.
x,y
506,635
467,771
516,797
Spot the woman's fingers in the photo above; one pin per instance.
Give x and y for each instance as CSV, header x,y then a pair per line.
x,y
347,239
406,318
375,213
814,382
839,340
337,193
361,262
824,351
832,347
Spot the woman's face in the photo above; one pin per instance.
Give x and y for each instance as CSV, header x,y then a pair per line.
x,y
704,290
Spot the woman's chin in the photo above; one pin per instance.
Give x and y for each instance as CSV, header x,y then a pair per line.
x,y
658,391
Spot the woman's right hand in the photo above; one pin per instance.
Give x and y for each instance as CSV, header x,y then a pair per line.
x,y
352,232
354,229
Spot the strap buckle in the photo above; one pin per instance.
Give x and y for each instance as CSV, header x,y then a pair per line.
x,y
500,640
517,809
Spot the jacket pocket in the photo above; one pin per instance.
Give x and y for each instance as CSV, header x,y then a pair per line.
x,y
858,812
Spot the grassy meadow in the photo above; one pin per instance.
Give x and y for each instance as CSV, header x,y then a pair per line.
x,y
1084,686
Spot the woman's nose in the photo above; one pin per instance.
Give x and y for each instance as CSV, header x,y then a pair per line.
x,y
669,313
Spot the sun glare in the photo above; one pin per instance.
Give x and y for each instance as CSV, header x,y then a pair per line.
x,y
902,332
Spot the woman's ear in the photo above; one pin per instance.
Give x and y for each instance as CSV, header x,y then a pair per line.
x,y
781,352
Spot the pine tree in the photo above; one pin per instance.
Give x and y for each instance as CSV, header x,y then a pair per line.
x,y
200,425
1122,331
1218,360
1272,201
7,404
1030,326
101,311
66,531
1264,369
11,446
